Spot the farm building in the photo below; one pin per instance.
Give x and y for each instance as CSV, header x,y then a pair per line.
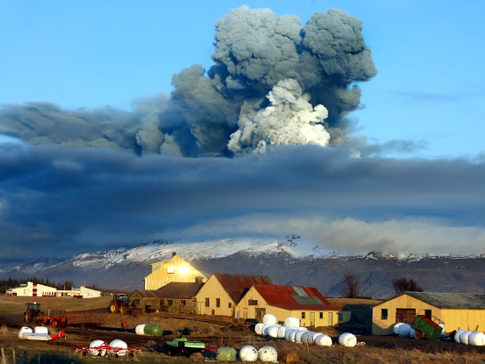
x,y
454,310
174,269
306,303
178,297
220,294
356,315
33,289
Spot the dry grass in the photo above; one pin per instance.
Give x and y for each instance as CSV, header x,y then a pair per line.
x,y
15,305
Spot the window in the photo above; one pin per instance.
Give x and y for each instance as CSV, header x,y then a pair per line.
x,y
303,315
384,314
427,313
169,302
183,303
207,302
171,269
218,302
321,315
252,302
229,305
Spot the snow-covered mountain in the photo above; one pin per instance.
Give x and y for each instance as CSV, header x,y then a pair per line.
x,y
291,260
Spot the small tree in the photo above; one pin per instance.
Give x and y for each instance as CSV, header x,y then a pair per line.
x,y
350,286
406,284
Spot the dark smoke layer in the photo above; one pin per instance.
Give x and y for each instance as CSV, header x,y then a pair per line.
x,y
273,82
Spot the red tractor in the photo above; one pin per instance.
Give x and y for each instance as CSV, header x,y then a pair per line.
x,y
120,303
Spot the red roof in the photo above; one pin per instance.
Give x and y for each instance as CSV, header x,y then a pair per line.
x,y
236,285
295,298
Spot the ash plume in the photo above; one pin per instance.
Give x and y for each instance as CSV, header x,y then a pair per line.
x,y
273,82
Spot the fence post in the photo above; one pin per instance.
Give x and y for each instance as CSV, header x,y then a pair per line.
x,y
4,361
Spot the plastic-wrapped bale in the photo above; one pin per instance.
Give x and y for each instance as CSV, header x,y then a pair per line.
x,y
395,328
258,328
299,336
281,332
411,332
24,330
293,335
476,338
443,334
268,354
404,330
248,353
289,332
292,321
272,331
347,339
140,329
41,330
323,340
464,337
269,319
457,336
153,330
118,347
226,354
97,348
307,337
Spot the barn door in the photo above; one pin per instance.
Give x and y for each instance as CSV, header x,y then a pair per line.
x,y
406,315
260,312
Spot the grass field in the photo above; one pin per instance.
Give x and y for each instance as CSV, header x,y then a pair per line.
x,y
216,331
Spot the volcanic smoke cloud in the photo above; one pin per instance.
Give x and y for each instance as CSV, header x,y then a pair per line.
x,y
274,82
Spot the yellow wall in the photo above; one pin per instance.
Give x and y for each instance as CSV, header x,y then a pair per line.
x,y
244,310
384,327
453,319
213,289
174,269
465,319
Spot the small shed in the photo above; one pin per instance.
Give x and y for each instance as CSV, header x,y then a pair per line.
x,y
454,310
306,303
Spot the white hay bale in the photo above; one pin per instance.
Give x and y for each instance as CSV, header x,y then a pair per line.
x,y
140,329
258,328
24,330
281,332
457,336
272,331
443,334
289,333
476,338
464,337
411,332
118,347
293,335
347,339
41,330
268,354
307,337
97,348
395,328
404,330
292,321
299,335
323,340
248,353
269,319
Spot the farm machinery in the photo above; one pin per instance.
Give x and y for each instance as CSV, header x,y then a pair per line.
x,y
32,313
120,303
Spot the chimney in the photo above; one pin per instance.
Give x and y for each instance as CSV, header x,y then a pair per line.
x,y
198,279
174,254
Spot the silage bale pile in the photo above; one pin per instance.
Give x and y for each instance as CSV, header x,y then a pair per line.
x,y
403,330
292,332
475,338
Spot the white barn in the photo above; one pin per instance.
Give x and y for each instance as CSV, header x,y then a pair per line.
x,y
32,289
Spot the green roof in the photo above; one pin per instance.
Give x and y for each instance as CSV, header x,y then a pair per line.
x,y
451,300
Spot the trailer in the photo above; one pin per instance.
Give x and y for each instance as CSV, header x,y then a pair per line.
x,y
425,328
63,318
182,346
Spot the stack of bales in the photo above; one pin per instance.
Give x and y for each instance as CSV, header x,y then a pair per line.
x,y
292,332
475,338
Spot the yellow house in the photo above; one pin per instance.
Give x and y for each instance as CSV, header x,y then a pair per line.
x,y
220,294
454,310
306,303
174,269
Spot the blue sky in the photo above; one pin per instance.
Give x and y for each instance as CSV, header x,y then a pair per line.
x,y
428,89
121,161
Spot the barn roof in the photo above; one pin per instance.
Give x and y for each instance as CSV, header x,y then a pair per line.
x,y
236,285
180,290
451,300
295,297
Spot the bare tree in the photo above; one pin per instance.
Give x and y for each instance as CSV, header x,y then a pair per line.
x,y
350,286
406,284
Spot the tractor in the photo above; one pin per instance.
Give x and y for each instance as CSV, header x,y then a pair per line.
x,y
119,303
33,314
